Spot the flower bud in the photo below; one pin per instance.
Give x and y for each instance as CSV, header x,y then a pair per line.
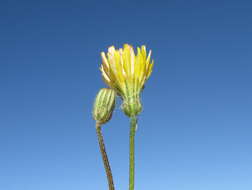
x,y
104,105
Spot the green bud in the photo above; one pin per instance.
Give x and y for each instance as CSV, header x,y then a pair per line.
x,y
104,105
132,106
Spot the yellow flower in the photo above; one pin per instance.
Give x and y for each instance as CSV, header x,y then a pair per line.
x,y
127,72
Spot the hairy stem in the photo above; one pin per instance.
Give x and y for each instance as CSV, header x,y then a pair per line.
x,y
105,157
133,123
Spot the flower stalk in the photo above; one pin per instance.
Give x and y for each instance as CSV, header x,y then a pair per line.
x,y
133,124
104,156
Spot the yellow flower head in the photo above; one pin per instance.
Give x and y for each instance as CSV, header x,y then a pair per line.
x,y
127,72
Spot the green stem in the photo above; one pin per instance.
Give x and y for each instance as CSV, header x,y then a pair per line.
x,y
133,123
105,157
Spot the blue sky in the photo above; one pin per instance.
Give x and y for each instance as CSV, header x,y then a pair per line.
x,y
195,130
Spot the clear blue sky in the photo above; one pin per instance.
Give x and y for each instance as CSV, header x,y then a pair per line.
x,y
196,128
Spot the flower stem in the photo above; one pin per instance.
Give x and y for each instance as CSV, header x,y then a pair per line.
x,y
104,157
133,123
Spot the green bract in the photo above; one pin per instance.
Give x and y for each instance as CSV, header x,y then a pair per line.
x,y
104,105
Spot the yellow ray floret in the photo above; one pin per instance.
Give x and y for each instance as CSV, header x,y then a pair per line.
x,y
125,71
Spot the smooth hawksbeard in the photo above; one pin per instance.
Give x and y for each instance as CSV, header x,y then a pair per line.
x,y
126,73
